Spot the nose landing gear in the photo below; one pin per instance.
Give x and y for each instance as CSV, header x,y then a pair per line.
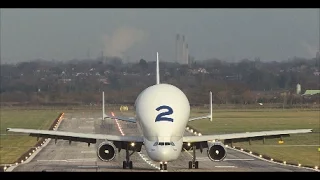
x,y
163,166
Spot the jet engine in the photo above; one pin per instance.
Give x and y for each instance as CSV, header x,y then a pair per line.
x,y
106,151
216,151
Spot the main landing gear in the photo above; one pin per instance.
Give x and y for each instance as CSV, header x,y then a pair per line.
x,y
194,163
127,163
163,166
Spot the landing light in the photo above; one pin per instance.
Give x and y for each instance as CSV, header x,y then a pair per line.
x,y
5,168
199,134
189,144
284,162
299,165
132,144
316,167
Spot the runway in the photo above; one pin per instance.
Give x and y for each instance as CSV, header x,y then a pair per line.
x,y
78,157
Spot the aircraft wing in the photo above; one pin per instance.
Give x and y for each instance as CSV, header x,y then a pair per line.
x,y
77,137
240,137
202,117
126,119
209,116
104,115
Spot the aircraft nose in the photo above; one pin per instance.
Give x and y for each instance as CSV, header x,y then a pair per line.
x,y
164,154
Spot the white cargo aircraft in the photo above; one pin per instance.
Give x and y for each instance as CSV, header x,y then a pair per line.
x,y
162,114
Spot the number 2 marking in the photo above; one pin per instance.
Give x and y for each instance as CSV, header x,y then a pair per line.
x,y
161,117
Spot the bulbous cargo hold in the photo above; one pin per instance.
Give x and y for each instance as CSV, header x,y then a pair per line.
x,y
163,111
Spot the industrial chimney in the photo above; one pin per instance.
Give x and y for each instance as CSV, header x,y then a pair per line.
x,y
187,54
178,56
183,50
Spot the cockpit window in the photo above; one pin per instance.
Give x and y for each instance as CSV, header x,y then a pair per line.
x,y
164,144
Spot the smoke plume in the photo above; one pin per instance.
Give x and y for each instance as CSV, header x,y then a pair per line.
x,y
121,40
312,50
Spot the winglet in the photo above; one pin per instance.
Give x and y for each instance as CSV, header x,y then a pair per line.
x,y
157,70
210,106
103,109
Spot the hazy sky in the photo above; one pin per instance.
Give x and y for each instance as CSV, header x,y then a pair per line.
x,y
233,34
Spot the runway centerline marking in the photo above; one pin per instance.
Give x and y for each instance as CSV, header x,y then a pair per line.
x,y
88,152
225,166
87,166
86,127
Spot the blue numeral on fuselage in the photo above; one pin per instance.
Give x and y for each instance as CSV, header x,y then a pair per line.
x,y
161,117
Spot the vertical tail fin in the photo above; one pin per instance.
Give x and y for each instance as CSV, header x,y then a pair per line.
x,y
157,70
103,109
210,106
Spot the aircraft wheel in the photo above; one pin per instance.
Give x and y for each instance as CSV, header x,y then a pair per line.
x,y
124,164
161,167
190,164
165,167
196,165
130,165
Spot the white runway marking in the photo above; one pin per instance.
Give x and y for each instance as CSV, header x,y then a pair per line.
x,y
207,159
86,159
86,127
238,160
74,118
225,166
89,121
82,118
90,118
87,166
88,152
67,160
297,145
44,160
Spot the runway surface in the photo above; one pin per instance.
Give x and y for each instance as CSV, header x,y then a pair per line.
x,y
79,157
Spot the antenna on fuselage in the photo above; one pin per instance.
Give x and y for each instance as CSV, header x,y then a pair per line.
x,y
157,70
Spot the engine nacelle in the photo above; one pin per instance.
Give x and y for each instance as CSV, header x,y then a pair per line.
x,y
106,151
216,151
